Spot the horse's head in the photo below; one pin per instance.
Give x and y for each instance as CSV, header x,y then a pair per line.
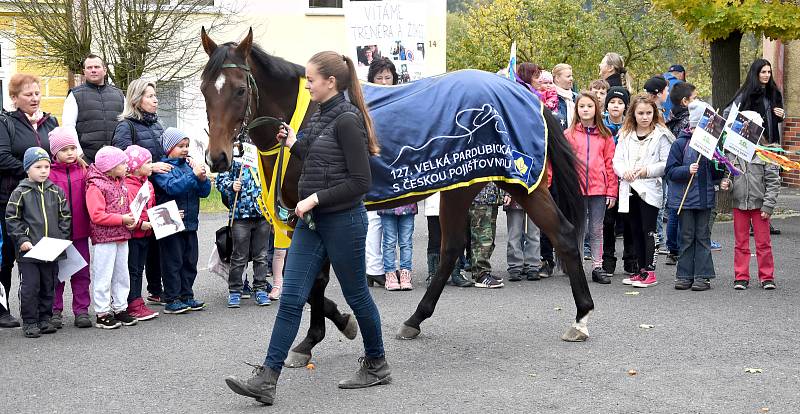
x,y
227,89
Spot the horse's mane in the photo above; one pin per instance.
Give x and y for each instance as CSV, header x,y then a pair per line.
x,y
273,66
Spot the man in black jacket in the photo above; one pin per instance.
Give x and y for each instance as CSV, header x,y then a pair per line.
x,y
92,108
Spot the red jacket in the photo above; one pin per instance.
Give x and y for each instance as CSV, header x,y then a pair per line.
x,y
134,183
72,179
107,201
595,155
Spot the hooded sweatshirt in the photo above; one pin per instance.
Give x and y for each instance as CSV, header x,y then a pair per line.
x,y
37,210
107,201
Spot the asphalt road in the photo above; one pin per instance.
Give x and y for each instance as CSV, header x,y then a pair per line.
x,y
483,351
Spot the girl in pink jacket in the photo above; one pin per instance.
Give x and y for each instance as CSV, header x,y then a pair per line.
x,y
68,171
594,148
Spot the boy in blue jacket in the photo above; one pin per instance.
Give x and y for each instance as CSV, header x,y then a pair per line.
x,y
179,252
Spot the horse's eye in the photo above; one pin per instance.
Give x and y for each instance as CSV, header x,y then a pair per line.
x,y
240,92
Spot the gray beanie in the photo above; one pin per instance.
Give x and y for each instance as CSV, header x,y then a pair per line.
x,y
32,155
170,138
696,110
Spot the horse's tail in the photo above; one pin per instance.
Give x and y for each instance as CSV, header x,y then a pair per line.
x,y
566,185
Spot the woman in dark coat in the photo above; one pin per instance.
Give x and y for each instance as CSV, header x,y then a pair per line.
x,y
21,129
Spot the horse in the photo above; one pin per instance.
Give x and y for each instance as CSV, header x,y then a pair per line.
x,y
239,73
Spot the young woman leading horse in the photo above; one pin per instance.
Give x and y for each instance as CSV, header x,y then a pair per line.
x,y
233,79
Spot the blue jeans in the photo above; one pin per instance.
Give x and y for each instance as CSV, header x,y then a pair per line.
x,y
340,236
673,231
179,257
397,230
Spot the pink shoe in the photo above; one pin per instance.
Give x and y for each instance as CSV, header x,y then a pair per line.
x,y
648,281
139,311
636,278
391,281
405,279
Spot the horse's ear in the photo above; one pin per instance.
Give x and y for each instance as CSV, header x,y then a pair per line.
x,y
244,46
208,44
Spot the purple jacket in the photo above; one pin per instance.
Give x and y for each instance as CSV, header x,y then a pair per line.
x,y
72,179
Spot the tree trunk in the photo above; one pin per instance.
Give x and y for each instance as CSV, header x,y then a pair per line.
x,y
725,79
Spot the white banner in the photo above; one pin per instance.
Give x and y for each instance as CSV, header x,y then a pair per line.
x,y
706,136
742,134
394,29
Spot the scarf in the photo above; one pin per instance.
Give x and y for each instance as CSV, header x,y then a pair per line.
x,y
149,118
35,118
564,93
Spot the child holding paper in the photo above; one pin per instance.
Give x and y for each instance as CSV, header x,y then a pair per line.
x,y
110,229
36,209
179,252
695,264
138,186
755,194
69,173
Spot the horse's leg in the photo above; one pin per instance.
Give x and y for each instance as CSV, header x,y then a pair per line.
x,y
321,308
453,208
541,208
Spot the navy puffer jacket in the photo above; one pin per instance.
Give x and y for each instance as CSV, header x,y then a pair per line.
x,y
148,135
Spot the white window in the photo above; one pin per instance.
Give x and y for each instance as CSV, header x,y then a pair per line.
x,y
169,102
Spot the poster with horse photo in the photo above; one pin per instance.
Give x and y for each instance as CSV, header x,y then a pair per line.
x,y
743,135
393,29
706,136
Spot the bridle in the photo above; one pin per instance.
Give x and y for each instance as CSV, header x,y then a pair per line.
x,y
243,136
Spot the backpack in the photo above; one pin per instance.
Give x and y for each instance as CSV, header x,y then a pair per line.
x,y
5,118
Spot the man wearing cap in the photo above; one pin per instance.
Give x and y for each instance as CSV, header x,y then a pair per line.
x,y
675,74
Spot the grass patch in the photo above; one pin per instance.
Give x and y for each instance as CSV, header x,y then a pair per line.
x,y
212,203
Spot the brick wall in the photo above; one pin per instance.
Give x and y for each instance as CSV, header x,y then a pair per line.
x,y
791,142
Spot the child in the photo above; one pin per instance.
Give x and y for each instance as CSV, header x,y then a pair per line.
x,y
658,89
37,208
681,95
594,147
755,194
547,90
695,264
523,253
483,227
599,89
139,167
639,159
110,229
249,231
69,173
398,229
185,185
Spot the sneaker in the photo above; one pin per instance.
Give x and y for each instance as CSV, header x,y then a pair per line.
x,y
234,300
175,307
57,320
8,321
275,293
701,284
46,327
741,284
715,246
83,321
587,256
546,270
768,284
125,318
107,321
672,259
599,276
247,292
514,277
405,279
635,278
31,330
683,284
140,311
532,275
647,279
194,304
486,280
392,281
458,279
155,300
262,299
774,230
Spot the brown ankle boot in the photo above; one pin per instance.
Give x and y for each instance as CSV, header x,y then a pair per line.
x,y
260,386
373,371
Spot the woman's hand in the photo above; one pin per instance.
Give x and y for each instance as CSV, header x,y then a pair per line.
x,y
286,132
611,202
161,167
304,206
779,112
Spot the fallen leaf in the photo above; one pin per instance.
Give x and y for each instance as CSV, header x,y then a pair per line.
x,y
764,409
532,375
310,366
646,326
753,370
632,372
632,293
558,308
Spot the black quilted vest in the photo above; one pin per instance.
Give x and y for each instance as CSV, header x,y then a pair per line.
x,y
98,109
324,165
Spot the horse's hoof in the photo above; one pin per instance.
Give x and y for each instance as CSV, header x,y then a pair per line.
x,y
351,329
297,360
574,335
407,332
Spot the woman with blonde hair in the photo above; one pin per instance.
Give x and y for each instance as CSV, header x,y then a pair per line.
x,y
562,79
613,71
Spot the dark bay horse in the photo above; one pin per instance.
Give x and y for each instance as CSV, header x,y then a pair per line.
x,y
229,104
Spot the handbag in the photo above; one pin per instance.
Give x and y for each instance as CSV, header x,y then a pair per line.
x,y
224,239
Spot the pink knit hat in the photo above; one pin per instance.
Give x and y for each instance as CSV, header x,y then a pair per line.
x,y
61,138
137,156
109,157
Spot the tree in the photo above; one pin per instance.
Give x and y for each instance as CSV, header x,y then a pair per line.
x,y
724,22
135,37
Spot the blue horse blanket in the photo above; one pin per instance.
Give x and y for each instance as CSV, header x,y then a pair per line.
x,y
454,130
